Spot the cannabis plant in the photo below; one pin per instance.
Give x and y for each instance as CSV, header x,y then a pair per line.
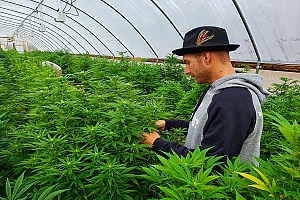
x,y
21,191
280,177
188,177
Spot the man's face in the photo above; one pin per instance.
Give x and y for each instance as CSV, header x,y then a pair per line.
x,y
195,67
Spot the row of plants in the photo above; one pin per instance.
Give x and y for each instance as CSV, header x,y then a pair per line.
x,y
78,136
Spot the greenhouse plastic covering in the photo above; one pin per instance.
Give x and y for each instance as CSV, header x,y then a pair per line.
x,y
267,30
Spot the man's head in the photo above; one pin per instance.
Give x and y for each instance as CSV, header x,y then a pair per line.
x,y
206,54
207,66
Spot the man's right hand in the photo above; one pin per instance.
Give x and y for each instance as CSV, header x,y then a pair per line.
x,y
161,124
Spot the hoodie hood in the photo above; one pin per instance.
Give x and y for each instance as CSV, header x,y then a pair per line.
x,y
251,81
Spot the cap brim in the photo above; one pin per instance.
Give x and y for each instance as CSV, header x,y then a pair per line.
x,y
228,47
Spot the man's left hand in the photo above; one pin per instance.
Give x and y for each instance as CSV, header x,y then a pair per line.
x,y
150,137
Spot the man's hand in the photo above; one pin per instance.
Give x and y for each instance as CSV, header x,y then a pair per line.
x,y
161,124
150,137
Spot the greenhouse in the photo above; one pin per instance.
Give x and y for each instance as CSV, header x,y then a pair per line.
x,y
82,82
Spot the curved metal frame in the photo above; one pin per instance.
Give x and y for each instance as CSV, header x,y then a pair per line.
x,y
119,13
48,23
103,27
14,19
142,36
11,24
130,23
168,18
40,47
249,33
42,43
90,31
79,33
33,40
55,31
48,28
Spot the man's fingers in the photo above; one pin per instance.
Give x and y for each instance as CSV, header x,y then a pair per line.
x,y
145,134
160,124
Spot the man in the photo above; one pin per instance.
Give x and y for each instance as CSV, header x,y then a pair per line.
x,y
228,117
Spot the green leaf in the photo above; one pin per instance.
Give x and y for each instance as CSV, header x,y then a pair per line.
x,y
262,175
34,198
80,184
18,184
164,161
54,194
203,177
294,173
125,196
260,185
171,193
8,189
24,189
45,193
153,174
238,196
181,172
23,198
286,128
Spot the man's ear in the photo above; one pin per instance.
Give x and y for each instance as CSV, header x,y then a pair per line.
x,y
206,55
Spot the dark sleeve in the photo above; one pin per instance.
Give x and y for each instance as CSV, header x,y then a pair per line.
x,y
231,118
160,145
170,124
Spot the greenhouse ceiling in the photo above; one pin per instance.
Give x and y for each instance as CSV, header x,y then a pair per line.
x,y
267,30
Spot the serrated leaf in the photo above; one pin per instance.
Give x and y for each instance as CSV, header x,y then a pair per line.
x,y
170,193
46,192
180,171
261,187
54,194
153,174
252,178
24,189
8,189
18,184
262,175
285,127
293,173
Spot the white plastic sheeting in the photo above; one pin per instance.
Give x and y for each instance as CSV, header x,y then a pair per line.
x,y
153,28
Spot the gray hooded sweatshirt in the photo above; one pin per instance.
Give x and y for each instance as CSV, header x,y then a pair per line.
x,y
228,119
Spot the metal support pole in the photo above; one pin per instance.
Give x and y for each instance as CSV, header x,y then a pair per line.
x,y
250,35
